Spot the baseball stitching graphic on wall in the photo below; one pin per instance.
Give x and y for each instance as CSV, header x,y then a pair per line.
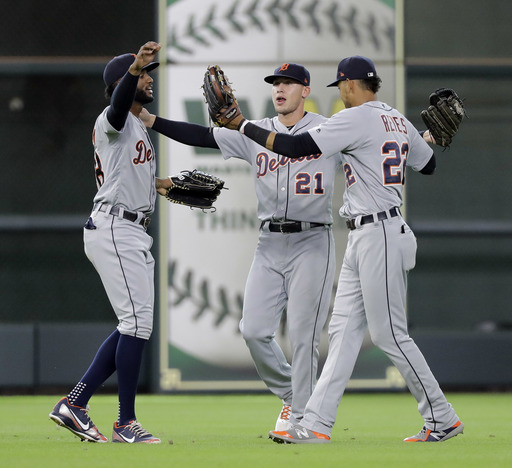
x,y
208,255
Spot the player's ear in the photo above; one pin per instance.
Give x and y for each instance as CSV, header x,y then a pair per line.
x,y
306,91
353,84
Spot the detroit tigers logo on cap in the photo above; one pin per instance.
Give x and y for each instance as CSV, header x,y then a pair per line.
x,y
290,70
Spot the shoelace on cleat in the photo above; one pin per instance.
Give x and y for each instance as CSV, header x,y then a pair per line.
x,y
285,413
138,430
423,433
86,414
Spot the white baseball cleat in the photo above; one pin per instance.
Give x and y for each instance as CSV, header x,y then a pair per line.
x,y
283,420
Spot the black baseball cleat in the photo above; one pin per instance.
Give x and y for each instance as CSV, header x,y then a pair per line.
x,y
76,420
426,435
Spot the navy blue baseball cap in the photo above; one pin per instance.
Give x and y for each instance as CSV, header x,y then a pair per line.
x,y
290,70
354,68
119,65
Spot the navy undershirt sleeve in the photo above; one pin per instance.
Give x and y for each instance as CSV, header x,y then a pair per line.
x,y
186,133
430,167
122,100
293,146
296,146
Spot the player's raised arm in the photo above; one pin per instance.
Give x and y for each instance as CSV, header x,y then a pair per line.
x,y
225,112
121,76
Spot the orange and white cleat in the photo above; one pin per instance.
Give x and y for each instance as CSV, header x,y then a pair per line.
x,y
298,435
283,421
427,435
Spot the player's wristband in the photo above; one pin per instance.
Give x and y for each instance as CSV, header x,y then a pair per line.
x,y
242,126
257,134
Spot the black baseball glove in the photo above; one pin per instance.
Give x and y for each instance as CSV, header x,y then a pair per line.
x,y
195,188
444,115
222,104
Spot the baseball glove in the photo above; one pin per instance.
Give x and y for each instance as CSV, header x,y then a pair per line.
x,y
217,91
195,188
444,115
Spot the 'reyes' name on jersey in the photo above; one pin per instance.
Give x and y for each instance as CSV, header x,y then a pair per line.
x,y
393,124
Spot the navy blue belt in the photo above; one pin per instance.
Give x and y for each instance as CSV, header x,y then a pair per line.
x,y
381,215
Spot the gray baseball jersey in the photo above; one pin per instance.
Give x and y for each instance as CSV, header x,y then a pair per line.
x,y
377,143
299,189
117,247
373,183
125,164
294,270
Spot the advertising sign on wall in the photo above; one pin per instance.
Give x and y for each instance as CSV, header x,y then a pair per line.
x,y
205,257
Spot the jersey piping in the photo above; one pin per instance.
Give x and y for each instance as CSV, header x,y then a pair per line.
x,y
328,233
392,328
124,276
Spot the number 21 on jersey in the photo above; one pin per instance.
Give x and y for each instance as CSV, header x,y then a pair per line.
x,y
305,184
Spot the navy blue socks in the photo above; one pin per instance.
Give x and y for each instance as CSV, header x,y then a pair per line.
x,y
128,362
121,353
101,368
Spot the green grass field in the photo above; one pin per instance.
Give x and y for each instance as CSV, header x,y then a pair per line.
x,y
231,431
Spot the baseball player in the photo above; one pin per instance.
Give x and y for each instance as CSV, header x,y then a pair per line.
x,y
376,142
117,244
294,262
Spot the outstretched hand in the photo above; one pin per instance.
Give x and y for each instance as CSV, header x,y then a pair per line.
x,y
145,55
